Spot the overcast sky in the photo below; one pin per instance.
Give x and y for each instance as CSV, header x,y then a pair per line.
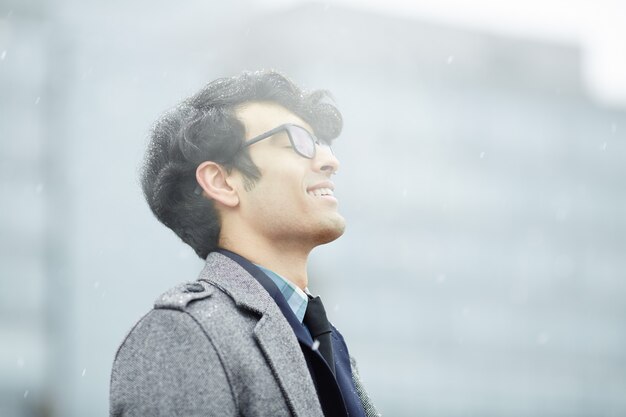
x,y
599,27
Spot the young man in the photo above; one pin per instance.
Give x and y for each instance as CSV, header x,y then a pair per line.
x,y
242,172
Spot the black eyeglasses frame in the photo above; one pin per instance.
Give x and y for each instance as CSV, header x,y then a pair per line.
x,y
286,127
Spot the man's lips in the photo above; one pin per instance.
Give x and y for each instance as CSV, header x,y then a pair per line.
x,y
325,188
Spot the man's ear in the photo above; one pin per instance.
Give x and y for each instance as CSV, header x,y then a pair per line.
x,y
215,182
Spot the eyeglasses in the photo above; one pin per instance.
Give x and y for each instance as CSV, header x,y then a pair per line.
x,y
302,141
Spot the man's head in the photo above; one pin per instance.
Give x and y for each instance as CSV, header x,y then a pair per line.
x,y
205,136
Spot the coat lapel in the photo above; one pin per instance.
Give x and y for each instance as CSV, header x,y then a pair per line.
x,y
273,331
287,362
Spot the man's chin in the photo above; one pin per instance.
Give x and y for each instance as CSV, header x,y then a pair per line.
x,y
332,231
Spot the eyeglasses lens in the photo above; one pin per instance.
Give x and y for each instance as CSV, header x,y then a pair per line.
x,y
302,141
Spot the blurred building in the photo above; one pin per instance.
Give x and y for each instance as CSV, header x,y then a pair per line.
x,y
482,269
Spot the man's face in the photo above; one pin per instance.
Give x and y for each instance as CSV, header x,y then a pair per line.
x,y
286,205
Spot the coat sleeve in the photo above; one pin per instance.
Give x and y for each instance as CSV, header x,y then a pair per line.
x,y
167,366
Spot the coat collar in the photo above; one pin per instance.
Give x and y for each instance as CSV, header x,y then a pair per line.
x,y
224,270
253,301
251,289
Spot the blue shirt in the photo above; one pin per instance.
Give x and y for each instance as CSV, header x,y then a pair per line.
x,y
296,298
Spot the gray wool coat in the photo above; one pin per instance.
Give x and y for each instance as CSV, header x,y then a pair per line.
x,y
219,346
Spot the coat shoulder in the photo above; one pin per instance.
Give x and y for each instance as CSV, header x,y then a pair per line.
x,y
179,297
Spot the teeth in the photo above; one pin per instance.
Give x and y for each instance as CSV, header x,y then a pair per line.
x,y
318,192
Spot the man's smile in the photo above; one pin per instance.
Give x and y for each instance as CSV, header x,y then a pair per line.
x,y
323,189
318,192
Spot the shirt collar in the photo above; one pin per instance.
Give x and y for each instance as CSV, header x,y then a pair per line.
x,y
296,298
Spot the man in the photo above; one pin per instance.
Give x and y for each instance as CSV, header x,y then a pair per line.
x,y
241,172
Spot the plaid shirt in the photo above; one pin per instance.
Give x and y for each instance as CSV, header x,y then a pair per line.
x,y
296,298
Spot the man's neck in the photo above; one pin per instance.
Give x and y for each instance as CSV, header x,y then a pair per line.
x,y
286,261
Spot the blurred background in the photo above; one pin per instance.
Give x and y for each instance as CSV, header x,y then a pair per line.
x,y
483,172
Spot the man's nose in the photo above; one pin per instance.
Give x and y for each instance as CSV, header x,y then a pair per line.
x,y
325,160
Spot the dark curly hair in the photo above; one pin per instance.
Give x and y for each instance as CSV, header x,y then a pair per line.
x,y
204,127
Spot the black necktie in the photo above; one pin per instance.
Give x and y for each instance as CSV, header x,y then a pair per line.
x,y
317,323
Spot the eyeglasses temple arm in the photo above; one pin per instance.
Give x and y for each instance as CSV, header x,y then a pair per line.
x,y
264,135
